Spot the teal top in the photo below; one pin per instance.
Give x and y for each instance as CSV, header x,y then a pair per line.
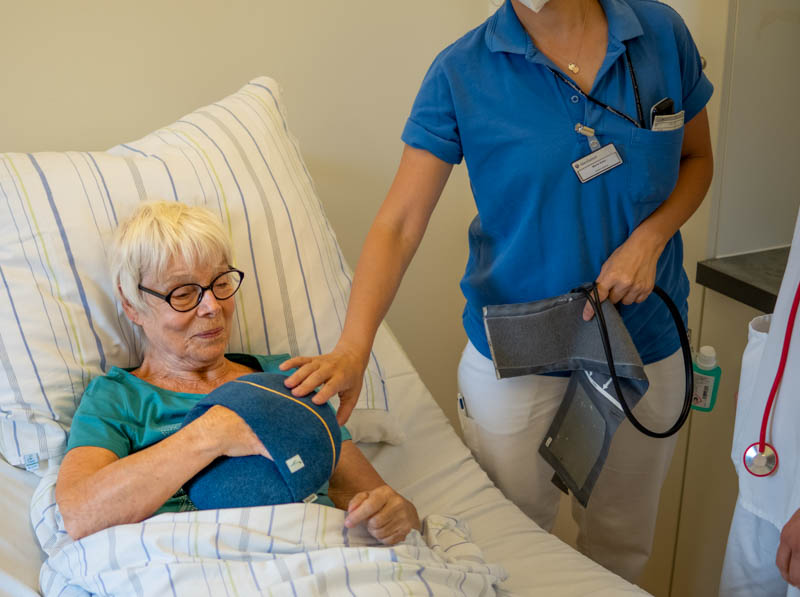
x,y
125,414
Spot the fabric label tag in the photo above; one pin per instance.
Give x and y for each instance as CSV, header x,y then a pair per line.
x,y
310,499
597,163
668,122
31,462
295,463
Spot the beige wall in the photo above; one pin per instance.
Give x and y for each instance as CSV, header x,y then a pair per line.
x,y
91,74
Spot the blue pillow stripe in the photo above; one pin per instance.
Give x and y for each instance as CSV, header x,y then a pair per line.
x,y
13,306
308,187
132,148
191,163
184,141
277,253
46,269
16,437
249,232
89,155
301,183
288,217
171,180
306,184
86,194
71,261
5,362
103,198
56,343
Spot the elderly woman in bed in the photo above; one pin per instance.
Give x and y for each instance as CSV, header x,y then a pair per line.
x,y
127,458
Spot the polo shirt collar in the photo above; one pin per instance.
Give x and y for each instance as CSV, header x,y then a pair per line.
x,y
506,34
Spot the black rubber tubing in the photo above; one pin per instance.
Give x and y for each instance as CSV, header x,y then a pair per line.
x,y
590,291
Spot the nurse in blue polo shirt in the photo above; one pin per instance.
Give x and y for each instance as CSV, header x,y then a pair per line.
x,y
584,130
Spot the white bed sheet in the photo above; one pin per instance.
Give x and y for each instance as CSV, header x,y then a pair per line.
x,y
436,470
20,556
433,468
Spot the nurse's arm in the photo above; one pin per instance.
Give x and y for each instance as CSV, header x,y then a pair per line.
x,y
629,274
96,489
391,243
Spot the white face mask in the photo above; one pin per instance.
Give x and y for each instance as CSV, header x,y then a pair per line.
x,y
534,5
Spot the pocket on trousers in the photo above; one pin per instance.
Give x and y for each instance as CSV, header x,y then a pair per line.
x,y
469,428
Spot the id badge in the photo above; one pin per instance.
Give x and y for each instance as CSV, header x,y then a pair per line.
x,y
596,163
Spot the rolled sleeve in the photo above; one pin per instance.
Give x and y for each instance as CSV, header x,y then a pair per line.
x,y
697,98
100,421
432,124
97,431
697,89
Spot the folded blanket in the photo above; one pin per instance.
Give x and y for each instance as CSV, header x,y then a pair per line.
x,y
290,549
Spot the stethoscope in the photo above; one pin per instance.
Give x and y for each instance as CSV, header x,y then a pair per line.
x,y
761,458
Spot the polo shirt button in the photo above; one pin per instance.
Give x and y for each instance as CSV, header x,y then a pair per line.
x,y
575,99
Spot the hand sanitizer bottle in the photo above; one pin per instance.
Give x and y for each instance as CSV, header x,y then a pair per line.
x,y
706,379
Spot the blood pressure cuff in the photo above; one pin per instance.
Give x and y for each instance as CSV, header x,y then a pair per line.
x,y
303,439
550,336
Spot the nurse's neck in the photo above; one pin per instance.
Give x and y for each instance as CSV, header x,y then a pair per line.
x,y
573,34
558,20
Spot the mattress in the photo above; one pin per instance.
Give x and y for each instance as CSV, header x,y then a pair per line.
x,y
20,556
433,468
436,471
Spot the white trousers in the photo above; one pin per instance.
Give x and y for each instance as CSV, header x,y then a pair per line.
x,y
749,569
505,420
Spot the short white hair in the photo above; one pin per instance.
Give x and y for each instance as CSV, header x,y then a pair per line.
x,y
156,232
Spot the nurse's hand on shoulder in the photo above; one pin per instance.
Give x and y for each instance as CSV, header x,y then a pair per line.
x,y
628,276
788,558
340,371
389,516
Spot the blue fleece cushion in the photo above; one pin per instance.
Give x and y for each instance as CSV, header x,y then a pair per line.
x,y
303,438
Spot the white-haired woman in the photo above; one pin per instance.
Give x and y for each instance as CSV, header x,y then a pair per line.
x,y
127,458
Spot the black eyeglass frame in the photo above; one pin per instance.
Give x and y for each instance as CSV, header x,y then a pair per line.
x,y
167,297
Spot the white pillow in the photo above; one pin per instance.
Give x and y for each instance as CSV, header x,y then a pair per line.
x,y
60,325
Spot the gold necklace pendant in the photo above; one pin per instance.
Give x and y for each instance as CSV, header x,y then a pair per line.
x,y
574,68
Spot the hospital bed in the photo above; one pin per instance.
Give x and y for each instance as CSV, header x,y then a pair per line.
x,y
397,423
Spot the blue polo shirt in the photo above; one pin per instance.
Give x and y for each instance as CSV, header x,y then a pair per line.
x,y
493,99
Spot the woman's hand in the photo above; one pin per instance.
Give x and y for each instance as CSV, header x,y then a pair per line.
x,y
229,433
788,556
96,489
389,516
340,371
629,274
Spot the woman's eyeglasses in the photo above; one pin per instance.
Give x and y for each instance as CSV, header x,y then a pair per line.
x,y
187,296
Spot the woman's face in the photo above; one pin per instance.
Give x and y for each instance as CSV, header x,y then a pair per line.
x,y
192,340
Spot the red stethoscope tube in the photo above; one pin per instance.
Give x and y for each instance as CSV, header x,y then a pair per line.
x,y
763,448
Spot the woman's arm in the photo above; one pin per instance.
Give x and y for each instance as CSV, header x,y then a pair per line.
x,y
358,488
96,489
391,243
629,274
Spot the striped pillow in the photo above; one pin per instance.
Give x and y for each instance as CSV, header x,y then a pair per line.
x,y
60,325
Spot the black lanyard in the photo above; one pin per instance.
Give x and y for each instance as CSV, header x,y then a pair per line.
x,y
605,106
